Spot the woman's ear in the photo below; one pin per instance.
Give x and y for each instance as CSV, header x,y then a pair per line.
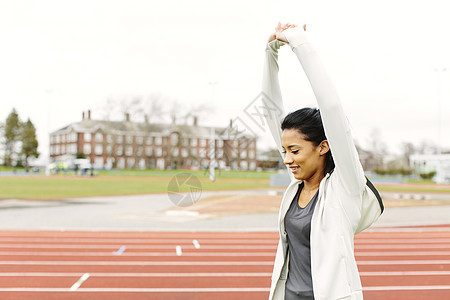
x,y
324,147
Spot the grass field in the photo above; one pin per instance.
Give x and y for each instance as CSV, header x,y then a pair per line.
x,y
127,182
120,183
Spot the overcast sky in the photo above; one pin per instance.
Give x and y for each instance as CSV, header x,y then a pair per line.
x,y
59,58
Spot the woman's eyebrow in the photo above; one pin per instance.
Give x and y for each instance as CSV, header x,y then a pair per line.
x,y
290,146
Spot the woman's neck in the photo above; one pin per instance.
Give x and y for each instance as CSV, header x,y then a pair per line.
x,y
313,183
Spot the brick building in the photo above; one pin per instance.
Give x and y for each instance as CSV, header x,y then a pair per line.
x,y
142,145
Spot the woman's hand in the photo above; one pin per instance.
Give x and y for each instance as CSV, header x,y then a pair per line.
x,y
279,35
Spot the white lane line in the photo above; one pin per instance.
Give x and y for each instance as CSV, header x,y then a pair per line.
x,y
262,274
150,247
141,263
159,254
148,241
80,281
47,274
402,253
405,273
383,241
196,244
139,290
120,251
427,246
217,290
403,262
406,288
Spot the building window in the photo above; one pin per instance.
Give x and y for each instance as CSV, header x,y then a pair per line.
x,y
99,137
148,151
119,139
121,163
158,141
175,151
158,151
139,140
202,142
129,139
139,151
251,154
219,143
87,137
149,140
87,149
130,163
129,151
184,152
109,150
219,153
119,150
201,153
57,139
185,142
63,138
194,142
174,139
109,139
244,165
98,149
73,137
244,154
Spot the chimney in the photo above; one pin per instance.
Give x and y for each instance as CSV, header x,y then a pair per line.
x,y
231,123
195,121
146,118
174,120
89,114
127,117
83,116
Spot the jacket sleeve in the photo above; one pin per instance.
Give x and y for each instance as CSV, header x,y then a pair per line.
x,y
271,94
347,165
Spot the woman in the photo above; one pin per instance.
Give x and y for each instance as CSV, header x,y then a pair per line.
x,y
329,199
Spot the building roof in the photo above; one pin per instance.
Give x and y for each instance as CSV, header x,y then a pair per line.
x,y
124,127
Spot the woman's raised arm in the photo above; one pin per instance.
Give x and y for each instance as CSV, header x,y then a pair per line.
x,y
337,129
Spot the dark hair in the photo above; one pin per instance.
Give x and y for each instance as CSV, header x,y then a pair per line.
x,y
309,123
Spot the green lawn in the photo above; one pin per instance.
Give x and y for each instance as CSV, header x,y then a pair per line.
x,y
56,187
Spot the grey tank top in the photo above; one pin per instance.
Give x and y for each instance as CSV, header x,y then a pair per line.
x,y
298,227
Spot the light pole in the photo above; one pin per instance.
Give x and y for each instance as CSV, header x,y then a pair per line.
x,y
440,73
212,140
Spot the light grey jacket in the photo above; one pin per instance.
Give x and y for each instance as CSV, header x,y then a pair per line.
x,y
347,204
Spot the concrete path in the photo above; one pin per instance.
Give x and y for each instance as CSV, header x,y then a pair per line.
x,y
154,213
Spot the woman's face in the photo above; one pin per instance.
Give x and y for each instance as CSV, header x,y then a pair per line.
x,y
305,160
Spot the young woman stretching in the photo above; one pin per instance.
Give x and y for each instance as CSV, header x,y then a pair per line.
x,y
329,199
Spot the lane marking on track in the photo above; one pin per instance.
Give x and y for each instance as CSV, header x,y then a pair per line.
x,y
403,262
196,244
143,241
80,281
427,246
139,290
141,263
120,251
405,273
150,247
406,288
400,241
45,274
401,253
159,254
177,250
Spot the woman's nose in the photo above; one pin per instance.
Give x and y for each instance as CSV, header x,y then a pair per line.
x,y
287,159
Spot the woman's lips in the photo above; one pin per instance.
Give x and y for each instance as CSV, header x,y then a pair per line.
x,y
294,169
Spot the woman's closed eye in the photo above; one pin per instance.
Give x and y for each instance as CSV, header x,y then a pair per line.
x,y
293,151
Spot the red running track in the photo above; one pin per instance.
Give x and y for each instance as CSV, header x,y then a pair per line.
x,y
394,263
